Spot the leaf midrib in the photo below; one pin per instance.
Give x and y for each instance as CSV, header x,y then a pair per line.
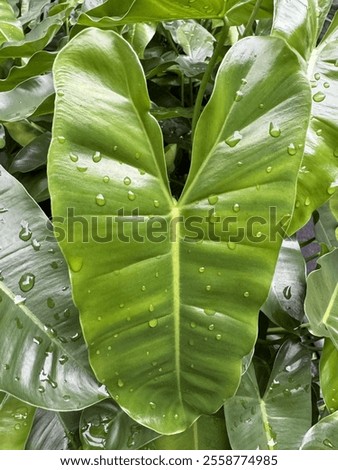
x,y
328,310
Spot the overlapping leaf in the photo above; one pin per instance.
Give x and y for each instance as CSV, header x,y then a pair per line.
x,y
323,435
280,418
321,302
38,321
329,375
161,313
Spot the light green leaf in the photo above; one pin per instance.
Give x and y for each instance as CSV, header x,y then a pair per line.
x,y
10,28
139,35
284,305
334,207
23,132
323,435
43,357
321,302
39,63
2,137
239,11
319,170
297,24
99,425
16,420
328,367
323,9
25,99
114,12
36,40
280,418
159,316
33,11
207,433
54,431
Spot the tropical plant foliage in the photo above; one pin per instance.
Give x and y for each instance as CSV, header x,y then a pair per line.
x,y
168,243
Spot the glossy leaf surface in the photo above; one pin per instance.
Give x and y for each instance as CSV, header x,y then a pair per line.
x,y
106,426
188,313
16,420
10,28
323,435
38,321
321,302
280,418
319,171
329,375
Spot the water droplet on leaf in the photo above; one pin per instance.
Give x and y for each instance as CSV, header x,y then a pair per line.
x,y
27,282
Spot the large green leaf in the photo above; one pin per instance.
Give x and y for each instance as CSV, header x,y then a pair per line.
x,y
106,426
280,418
323,435
115,12
43,357
327,224
284,305
207,433
321,302
161,315
54,431
329,376
319,170
239,11
297,24
16,420
10,28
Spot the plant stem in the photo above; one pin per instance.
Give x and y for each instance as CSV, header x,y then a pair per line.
x,y
252,18
276,331
207,75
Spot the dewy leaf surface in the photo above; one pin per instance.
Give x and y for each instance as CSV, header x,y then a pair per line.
x,y
43,356
16,420
280,418
168,316
10,28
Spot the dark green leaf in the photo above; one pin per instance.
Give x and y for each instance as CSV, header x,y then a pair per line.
x,y
33,156
106,426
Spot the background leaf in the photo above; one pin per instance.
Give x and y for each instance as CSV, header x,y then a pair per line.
x,y
323,435
38,320
106,426
280,418
10,28
321,304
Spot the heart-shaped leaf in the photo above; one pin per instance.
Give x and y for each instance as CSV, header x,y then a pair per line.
x,y
162,300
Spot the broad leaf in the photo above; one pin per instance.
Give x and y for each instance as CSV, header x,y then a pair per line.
x,y
10,28
115,12
329,375
23,132
106,426
297,25
321,302
280,418
16,420
323,435
54,431
161,312
43,357
207,433
24,100
323,8
284,305
319,170
334,207
139,35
